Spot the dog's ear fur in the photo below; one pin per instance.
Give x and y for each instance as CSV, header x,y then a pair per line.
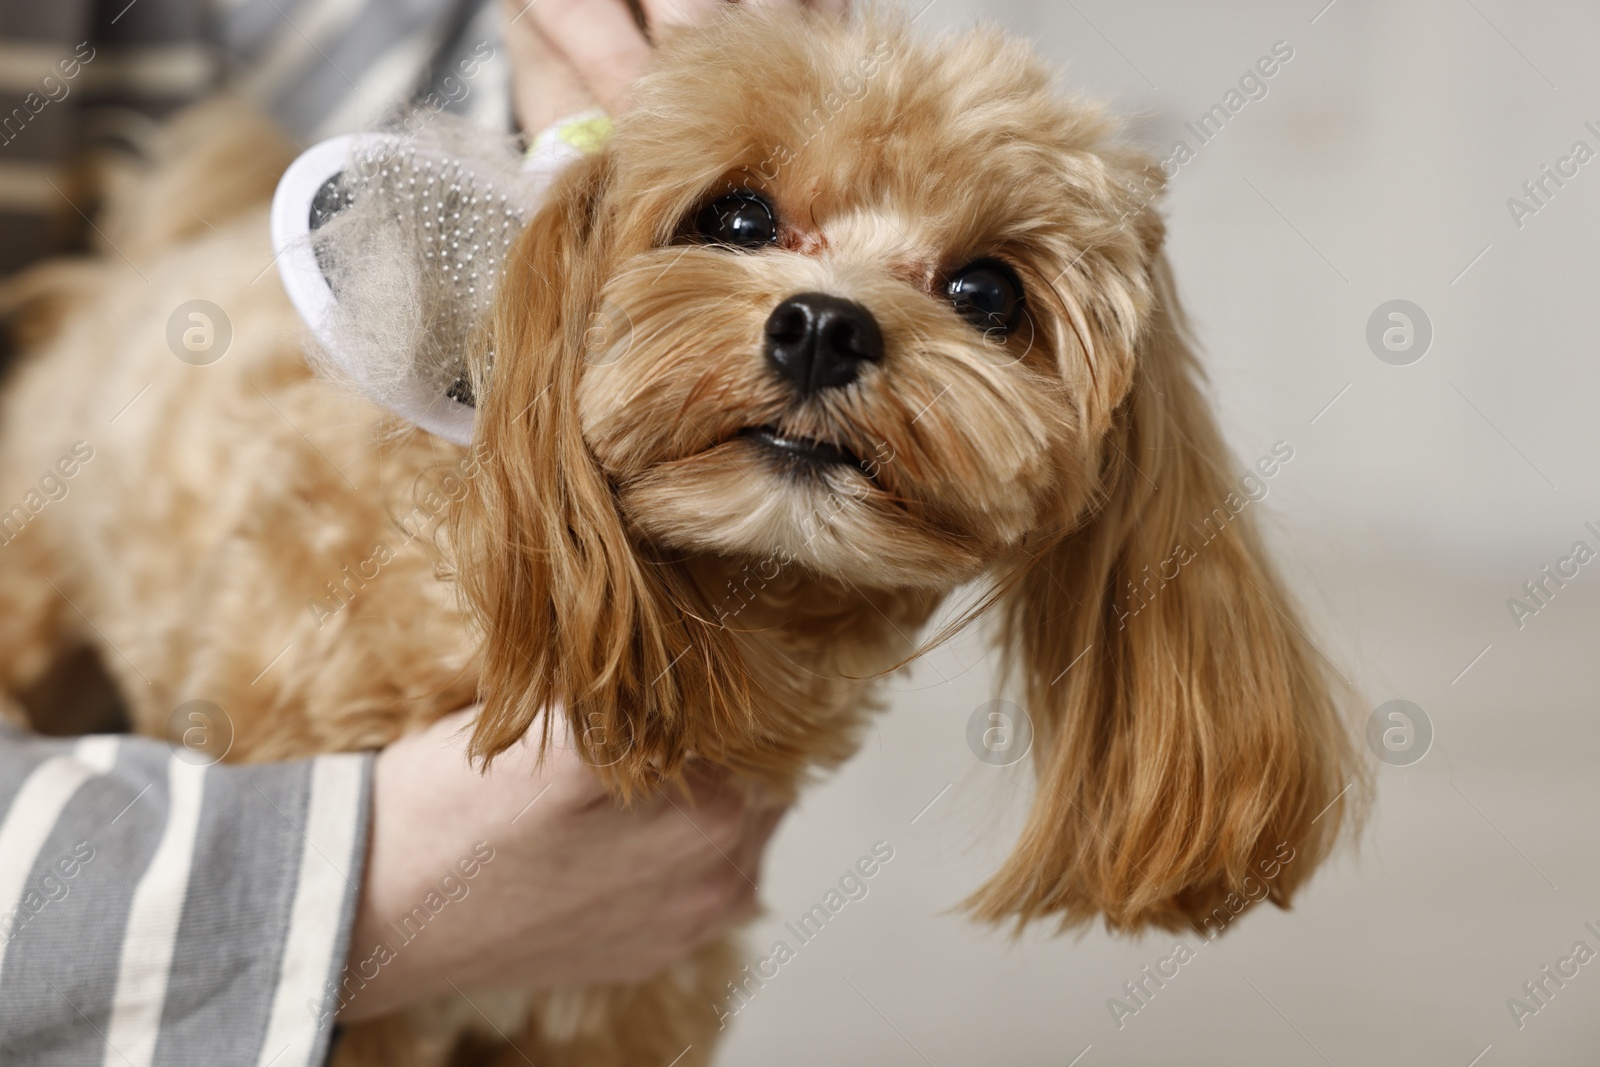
x,y
1187,744
577,616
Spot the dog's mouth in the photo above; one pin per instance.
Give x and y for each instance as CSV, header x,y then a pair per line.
x,y
801,449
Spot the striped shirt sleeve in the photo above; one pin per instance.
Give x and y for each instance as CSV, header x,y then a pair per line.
x,y
158,910
79,76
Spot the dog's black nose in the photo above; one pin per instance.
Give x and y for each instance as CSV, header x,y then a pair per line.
x,y
819,341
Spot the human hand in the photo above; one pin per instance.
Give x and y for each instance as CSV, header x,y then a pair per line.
x,y
574,890
570,55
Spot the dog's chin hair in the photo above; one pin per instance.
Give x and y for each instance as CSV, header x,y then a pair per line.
x,y
832,522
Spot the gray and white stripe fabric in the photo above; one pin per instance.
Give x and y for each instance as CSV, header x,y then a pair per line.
x,y
158,911
81,75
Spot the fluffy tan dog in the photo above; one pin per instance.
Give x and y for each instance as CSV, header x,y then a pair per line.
x,y
882,343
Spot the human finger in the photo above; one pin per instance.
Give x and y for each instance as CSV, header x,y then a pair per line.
x,y
760,825
544,85
662,14
600,39
834,7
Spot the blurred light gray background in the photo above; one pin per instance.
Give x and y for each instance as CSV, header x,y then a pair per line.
x,y
1420,499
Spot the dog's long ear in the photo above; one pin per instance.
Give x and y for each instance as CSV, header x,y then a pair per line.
x,y
576,615
1187,742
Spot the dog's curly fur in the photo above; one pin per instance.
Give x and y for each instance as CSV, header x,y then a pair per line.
x,y
623,553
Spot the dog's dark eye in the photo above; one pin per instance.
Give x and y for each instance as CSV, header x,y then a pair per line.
x,y
742,219
987,294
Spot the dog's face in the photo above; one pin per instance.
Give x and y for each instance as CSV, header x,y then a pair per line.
x,y
896,313
849,301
